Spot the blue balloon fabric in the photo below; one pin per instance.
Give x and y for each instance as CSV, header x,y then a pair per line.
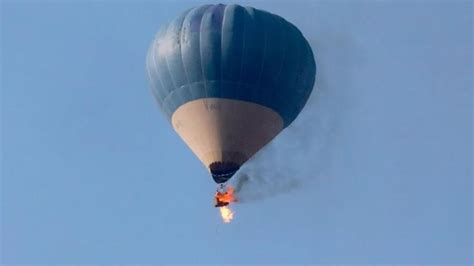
x,y
233,52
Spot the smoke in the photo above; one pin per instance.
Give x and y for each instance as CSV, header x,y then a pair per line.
x,y
303,152
259,186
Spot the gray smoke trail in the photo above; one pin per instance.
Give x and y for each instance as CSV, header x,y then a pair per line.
x,y
302,152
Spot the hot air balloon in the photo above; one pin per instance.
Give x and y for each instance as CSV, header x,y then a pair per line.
x,y
229,79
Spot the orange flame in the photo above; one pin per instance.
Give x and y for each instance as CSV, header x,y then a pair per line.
x,y
226,214
222,200
226,197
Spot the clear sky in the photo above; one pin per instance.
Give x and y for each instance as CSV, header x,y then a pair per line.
x,y
382,154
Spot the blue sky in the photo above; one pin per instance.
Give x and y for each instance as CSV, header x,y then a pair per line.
x,y
382,153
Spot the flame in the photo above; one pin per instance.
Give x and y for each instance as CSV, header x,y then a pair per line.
x,y
226,214
227,196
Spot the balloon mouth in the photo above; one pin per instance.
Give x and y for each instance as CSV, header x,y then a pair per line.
x,y
223,171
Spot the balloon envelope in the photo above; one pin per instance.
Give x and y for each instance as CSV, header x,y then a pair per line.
x,y
229,79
